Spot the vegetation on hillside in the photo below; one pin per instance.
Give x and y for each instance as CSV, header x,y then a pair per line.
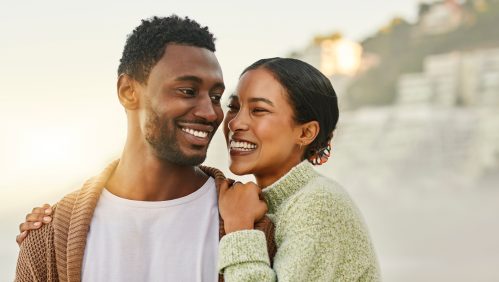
x,y
401,48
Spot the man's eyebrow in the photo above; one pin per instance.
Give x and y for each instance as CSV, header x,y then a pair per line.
x,y
189,78
219,85
198,80
261,99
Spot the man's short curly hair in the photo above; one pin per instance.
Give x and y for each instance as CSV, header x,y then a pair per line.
x,y
147,43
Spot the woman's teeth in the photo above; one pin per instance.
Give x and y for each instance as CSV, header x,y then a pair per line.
x,y
200,134
242,146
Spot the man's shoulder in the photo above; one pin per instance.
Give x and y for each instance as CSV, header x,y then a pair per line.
x,y
70,197
68,200
66,203
88,193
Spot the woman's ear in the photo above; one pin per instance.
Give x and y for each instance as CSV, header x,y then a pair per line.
x,y
309,132
127,93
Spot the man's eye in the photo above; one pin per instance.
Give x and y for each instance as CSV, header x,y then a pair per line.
x,y
187,91
216,99
233,108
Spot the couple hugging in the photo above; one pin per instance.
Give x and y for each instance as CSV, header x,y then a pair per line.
x,y
157,214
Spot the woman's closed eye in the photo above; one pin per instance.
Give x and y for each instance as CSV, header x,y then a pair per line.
x,y
259,110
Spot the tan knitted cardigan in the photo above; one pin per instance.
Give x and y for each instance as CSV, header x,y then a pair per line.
x,y
55,251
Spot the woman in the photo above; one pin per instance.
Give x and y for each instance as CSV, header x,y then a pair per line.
x,y
280,121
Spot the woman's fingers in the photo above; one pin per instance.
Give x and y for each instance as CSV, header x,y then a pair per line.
x,y
21,237
236,183
47,209
223,187
27,226
263,209
34,217
240,206
34,220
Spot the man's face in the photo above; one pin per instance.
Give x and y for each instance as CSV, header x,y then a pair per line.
x,y
180,104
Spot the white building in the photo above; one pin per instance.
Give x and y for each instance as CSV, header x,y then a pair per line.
x,y
414,88
466,78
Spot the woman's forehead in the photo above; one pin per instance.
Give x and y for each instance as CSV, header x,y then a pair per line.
x,y
259,83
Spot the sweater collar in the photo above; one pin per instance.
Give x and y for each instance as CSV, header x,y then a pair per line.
x,y
288,185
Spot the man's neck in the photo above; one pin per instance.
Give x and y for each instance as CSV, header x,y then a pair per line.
x,y
144,177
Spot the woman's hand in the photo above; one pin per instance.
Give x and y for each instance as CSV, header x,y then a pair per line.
x,y
34,220
241,205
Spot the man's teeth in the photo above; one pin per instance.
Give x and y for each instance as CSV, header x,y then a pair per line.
x,y
200,134
242,146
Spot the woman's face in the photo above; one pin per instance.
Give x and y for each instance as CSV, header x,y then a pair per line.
x,y
259,129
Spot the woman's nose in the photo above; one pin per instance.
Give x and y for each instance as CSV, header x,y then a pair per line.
x,y
238,122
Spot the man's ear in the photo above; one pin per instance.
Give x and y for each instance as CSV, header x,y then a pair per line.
x,y
127,93
309,131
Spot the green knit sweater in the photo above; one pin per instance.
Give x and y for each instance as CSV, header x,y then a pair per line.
x,y
319,233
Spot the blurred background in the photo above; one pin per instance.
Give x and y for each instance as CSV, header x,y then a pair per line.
x,y
417,145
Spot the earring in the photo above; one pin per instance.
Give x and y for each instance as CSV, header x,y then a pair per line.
x,y
321,156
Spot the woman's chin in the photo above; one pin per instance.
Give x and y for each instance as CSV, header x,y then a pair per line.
x,y
239,169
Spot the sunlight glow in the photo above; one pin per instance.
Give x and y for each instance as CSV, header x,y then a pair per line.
x,y
340,57
47,147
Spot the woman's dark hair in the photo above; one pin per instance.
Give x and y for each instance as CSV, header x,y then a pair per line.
x,y
310,93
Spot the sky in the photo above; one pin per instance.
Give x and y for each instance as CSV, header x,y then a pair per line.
x,y
60,120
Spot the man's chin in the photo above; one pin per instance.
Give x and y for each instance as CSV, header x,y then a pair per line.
x,y
185,160
193,161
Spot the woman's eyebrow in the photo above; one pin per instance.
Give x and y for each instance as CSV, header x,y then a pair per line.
x,y
261,99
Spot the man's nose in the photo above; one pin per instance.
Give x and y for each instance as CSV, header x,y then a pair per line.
x,y
205,108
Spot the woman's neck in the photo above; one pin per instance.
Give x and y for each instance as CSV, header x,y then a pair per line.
x,y
270,177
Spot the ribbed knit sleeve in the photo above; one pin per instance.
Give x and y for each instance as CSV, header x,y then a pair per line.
x,y
243,257
36,261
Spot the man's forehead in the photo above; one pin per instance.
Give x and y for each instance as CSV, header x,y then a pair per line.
x,y
185,60
184,52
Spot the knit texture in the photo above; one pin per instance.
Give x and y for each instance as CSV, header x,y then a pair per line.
x,y
319,234
54,252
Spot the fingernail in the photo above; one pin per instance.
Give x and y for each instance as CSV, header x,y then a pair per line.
x,y
36,224
48,211
24,233
46,218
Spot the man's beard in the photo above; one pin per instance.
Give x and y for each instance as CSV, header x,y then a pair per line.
x,y
162,140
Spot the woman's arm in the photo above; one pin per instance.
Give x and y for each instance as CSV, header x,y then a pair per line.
x,y
243,257
36,260
322,238
243,249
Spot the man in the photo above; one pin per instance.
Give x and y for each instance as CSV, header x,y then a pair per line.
x,y
152,215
